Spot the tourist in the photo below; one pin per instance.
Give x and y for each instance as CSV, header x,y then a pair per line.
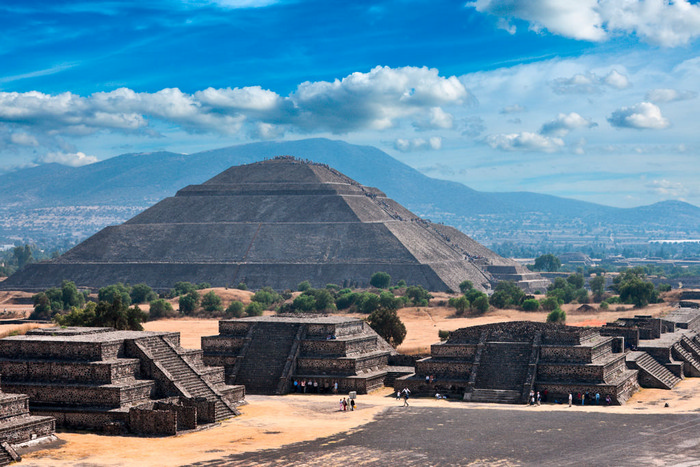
x,y
398,395
539,398
597,398
303,386
427,379
531,397
316,386
607,399
335,387
345,405
571,398
296,386
340,403
406,393
352,405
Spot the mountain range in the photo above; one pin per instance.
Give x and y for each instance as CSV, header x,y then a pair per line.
x,y
81,200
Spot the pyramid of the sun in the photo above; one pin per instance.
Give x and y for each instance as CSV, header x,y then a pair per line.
x,y
276,223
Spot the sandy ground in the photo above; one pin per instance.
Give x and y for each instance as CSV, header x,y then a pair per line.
x,y
270,422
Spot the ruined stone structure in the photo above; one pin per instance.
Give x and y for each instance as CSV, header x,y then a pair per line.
x,y
503,362
267,354
116,381
18,426
276,223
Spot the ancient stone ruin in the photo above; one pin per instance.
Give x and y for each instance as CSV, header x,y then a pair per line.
x,y
116,381
503,362
267,354
276,223
19,428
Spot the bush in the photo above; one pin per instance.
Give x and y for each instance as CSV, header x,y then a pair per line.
x,y
182,288
380,280
346,300
506,295
531,304
663,287
254,309
304,286
304,303
418,295
401,283
141,293
604,306
242,286
460,304
235,309
111,292
189,303
267,296
549,303
368,303
480,304
161,308
443,335
556,316
465,286
211,302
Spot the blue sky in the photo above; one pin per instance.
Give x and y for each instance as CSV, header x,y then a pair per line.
x,y
593,99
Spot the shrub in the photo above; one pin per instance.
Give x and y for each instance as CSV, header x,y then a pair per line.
x,y
189,303
141,293
465,286
443,335
531,304
506,295
211,302
480,304
401,283
254,309
235,309
460,304
161,308
380,280
266,296
418,295
183,288
111,292
242,286
604,305
304,286
556,316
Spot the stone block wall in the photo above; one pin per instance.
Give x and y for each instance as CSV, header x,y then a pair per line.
x,y
69,371
448,369
461,351
13,405
153,422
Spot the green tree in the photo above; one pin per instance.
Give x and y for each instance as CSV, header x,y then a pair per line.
x,y
368,303
460,304
42,306
211,302
70,295
531,304
507,295
182,288
401,283
547,262
576,280
111,292
597,285
235,309
480,304
418,295
633,288
556,316
388,301
160,308
189,303
142,293
380,280
254,309
465,286
267,296
304,286
22,255
549,303
387,324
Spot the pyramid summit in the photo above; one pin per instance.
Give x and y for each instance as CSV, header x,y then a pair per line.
x,y
276,223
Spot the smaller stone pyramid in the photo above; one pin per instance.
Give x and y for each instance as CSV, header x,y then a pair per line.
x,y
276,223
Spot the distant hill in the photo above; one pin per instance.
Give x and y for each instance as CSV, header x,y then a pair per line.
x,y
123,185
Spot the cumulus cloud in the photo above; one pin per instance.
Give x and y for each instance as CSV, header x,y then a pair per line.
x,y
669,95
564,123
589,83
525,141
644,115
668,23
665,187
375,100
415,144
74,160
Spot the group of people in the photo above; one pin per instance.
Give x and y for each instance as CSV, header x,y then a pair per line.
x,y
536,398
590,398
345,403
314,387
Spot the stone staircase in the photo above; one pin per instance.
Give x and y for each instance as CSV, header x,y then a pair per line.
x,y
186,376
498,396
691,366
690,345
646,364
504,366
5,456
266,357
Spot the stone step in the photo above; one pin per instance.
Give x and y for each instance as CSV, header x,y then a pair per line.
x,y
495,396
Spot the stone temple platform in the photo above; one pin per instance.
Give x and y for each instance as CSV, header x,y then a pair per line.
x,y
503,362
267,354
116,381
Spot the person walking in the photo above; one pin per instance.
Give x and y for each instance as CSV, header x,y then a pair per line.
x,y
406,392
571,399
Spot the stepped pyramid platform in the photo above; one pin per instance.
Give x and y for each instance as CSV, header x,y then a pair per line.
x,y
267,354
503,362
116,381
276,223
18,427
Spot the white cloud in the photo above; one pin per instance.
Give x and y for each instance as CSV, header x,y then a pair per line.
x,y
665,187
510,109
564,123
524,141
375,100
644,115
589,83
416,144
669,95
74,160
668,23
23,139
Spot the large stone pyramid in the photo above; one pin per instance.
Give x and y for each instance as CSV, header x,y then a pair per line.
x,y
276,223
